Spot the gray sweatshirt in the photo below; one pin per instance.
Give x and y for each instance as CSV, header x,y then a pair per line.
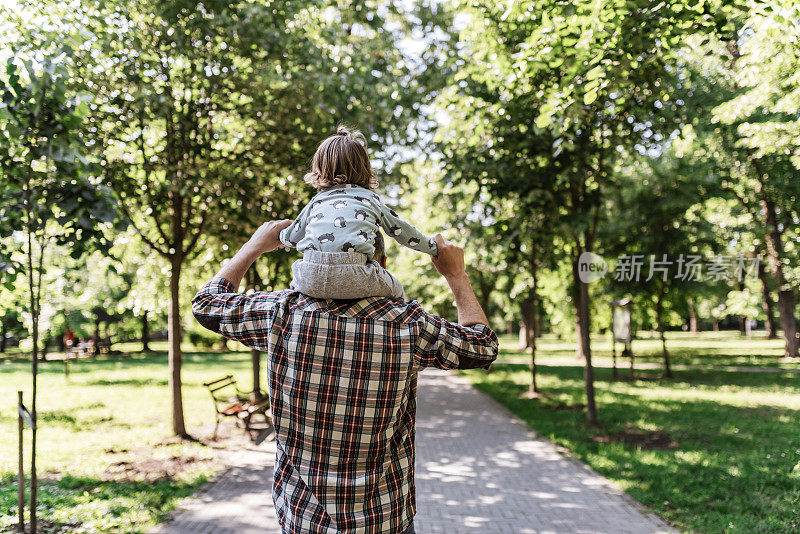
x,y
345,219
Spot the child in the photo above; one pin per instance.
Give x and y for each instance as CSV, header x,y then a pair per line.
x,y
336,230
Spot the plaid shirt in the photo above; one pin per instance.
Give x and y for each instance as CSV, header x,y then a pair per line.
x,y
343,382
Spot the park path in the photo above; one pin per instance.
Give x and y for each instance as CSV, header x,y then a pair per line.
x,y
478,469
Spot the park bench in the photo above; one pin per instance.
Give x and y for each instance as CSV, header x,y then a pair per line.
x,y
230,401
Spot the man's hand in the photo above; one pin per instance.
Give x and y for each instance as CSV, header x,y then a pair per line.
x,y
450,261
450,264
267,237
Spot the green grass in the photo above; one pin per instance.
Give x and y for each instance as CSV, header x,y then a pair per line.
x,y
702,349
736,467
110,410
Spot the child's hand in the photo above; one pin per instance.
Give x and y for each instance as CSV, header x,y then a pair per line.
x,y
267,237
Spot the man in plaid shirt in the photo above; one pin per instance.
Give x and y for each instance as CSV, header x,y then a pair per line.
x,y
343,382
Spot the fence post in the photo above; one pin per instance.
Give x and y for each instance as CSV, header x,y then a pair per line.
x,y
21,472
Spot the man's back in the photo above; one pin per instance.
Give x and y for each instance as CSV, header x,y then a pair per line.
x,y
342,382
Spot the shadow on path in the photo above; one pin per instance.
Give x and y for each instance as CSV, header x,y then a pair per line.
x,y
478,469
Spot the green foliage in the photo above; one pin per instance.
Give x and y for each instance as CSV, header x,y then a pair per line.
x,y
45,173
765,110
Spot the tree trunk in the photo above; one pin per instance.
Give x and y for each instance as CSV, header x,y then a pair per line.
x,y
145,333
694,326
2,336
788,323
35,374
660,321
774,245
581,303
175,354
767,304
35,300
96,337
533,331
527,329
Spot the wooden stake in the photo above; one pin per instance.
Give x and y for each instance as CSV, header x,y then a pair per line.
x,y
21,472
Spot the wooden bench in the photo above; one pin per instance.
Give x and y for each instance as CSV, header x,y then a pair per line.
x,y
230,401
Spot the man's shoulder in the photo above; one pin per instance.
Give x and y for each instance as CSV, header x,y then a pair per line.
x,y
369,308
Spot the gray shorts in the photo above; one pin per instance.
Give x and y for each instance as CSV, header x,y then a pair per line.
x,y
343,275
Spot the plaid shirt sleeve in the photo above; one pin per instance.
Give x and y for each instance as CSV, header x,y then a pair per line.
x,y
244,318
447,345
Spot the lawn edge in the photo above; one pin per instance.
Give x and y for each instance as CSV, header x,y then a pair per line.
x,y
566,453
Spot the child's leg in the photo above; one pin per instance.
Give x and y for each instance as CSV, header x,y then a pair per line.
x,y
330,276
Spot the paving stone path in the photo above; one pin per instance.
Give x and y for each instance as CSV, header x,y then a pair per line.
x,y
478,469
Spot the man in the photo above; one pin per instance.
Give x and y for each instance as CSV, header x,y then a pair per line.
x,y
343,384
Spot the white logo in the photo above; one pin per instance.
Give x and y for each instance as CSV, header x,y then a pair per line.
x,y
591,267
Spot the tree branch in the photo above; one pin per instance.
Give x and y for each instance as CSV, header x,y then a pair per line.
x,y
146,239
198,233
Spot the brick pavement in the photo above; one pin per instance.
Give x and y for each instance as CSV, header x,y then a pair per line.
x,y
478,469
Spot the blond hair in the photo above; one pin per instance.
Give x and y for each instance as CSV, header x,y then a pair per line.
x,y
342,159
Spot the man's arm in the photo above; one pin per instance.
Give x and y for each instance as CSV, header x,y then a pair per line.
x,y
471,344
266,239
244,318
450,264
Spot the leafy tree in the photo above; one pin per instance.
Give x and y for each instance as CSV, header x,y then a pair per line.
x,y
550,93
206,113
659,218
763,182
46,190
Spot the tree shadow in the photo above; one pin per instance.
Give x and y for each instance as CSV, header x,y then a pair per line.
x,y
730,463
83,499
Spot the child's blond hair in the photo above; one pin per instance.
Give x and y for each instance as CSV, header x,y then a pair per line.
x,y
342,159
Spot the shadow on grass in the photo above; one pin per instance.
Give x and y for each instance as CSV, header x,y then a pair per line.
x,y
121,362
733,465
94,505
644,378
126,382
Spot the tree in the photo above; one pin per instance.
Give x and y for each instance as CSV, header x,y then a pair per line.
x,y
550,93
762,181
763,113
659,218
199,106
46,190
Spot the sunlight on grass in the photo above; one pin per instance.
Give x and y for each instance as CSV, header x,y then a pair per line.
x,y
736,463
109,412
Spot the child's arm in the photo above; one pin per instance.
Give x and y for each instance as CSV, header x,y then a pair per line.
x,y
404,233
292,234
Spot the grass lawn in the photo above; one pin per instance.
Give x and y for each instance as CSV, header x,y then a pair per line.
x,y
104,458
709,450
705,348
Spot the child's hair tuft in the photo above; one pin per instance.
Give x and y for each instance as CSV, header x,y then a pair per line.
x,y
342,159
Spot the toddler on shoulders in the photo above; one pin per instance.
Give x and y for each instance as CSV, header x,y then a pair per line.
x,y
336,230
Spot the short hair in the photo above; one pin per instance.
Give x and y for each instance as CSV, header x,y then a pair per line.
x,y
380,247
342,159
